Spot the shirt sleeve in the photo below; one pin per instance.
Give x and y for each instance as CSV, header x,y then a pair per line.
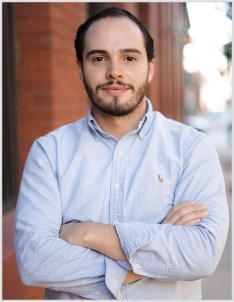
x,y
43,258
169,252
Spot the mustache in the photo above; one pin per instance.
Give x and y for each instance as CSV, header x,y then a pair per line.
x,y
120,83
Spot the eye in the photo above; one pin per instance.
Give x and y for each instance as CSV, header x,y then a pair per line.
x,y
130,59
98,59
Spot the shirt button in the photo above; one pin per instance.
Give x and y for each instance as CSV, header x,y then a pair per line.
x,y
137,265
121,151
117,186
97,292
120,297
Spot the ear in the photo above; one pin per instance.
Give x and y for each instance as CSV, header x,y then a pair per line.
x,y
151,70
80,70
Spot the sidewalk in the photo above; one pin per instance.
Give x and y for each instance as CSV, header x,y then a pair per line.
x,y
219,285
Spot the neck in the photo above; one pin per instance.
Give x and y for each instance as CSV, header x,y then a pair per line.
x,y
118,126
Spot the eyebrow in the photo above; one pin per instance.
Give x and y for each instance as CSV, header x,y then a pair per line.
x,y
125,50
96,51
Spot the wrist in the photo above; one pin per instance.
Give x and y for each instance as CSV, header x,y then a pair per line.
x,y
87,236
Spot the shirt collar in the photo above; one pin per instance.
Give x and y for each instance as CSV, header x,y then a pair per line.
x,y
93,125
142,129
145,123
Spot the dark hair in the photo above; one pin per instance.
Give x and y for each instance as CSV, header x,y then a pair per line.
x,y
112,12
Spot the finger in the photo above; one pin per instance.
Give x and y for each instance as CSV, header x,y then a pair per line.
x,y
191,216
186,203
180,206
181,211
192,222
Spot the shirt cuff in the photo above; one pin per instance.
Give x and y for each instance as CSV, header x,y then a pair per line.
x,y
133,236
125,264
115,275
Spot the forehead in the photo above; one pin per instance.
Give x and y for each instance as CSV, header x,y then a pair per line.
x,y
114,33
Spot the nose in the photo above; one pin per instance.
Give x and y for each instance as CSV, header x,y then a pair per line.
x,y
114,71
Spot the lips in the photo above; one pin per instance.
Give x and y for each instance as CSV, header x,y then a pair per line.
x,y
114,87
115,90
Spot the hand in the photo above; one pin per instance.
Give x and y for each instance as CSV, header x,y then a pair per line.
x,y
132,277
71,232
187,213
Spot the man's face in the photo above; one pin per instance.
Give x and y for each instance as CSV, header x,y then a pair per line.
x,y
115,69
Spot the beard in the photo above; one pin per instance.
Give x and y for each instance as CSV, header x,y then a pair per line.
x,y
115,107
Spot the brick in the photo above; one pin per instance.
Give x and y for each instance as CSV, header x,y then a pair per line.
x,y
32,10
34,25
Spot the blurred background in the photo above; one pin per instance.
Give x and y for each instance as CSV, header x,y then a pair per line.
x,y
42,91
207,64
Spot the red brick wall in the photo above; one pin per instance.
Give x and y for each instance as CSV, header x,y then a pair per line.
x,y
49,90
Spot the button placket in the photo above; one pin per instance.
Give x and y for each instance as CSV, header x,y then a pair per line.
x,y
117,183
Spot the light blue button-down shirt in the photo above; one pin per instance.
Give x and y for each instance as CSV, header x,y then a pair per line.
x,y
78,172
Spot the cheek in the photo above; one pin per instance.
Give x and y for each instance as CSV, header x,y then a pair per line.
x,y
93,76
141,74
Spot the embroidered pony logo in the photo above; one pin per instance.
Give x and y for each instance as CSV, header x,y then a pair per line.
x,y
160,178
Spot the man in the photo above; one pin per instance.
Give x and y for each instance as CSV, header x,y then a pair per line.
x,y
124,204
